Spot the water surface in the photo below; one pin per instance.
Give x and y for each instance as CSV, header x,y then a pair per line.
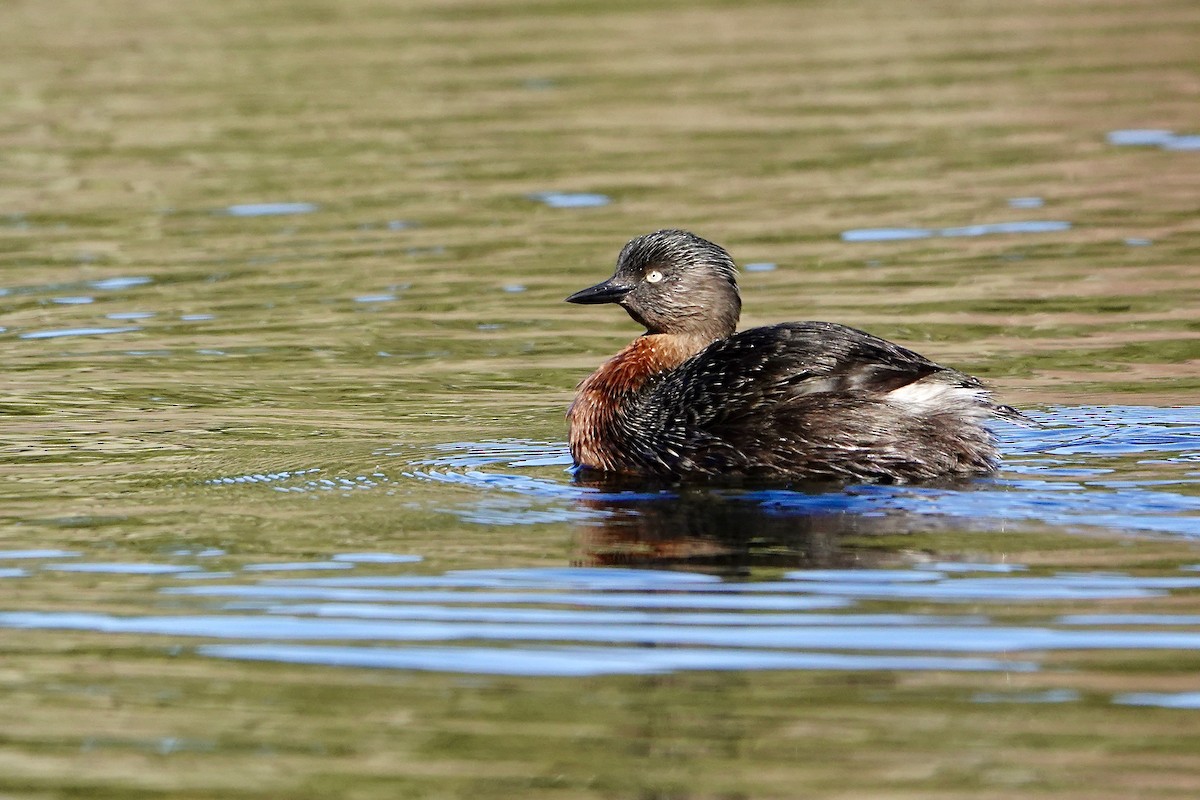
x,y
286,503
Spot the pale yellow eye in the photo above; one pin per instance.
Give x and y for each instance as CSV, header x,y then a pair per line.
x,y
653,276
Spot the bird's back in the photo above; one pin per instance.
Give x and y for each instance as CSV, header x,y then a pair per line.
x,y
812,400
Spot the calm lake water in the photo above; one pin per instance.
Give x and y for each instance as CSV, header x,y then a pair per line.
x,y
286,502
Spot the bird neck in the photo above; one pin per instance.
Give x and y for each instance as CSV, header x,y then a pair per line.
x,y
597,417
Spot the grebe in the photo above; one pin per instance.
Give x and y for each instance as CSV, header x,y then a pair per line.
x,y
801,400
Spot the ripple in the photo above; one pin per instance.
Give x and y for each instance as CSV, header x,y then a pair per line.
x,y
921,638
1032,226
269,209
109,284
332,484
1047,696
584,661
129,568
44,553
585,577
1190,142
1130,619
130,315
925,638
987,229
61,332
1188,700
378,558
886,234
296,566
301,481
571,199
1154,137
263,477
874,576
513,452
1011,589
576,617
971,566
1138,137
571,620
715,601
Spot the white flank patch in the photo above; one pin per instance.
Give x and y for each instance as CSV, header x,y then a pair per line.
x,y
931,395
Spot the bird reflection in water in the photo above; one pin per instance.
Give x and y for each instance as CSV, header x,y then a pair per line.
x,y
731,529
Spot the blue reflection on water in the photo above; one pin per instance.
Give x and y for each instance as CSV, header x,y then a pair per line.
x,y
1130,619
972,566
571,199
560,616
586,621
1140,137
296,566
61,332
886,234
269,209
892,637
1026,202
708,601
584,661
1154,137
378,558
1048,696
1188,700
122,282
40,553
122,568
986,229
1191,142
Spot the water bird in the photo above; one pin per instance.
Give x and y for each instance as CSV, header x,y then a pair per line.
x,y
797,400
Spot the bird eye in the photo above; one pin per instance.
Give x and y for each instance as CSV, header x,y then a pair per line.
x,y
653,276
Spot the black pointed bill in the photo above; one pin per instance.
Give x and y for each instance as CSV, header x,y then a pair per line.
x,y
611,291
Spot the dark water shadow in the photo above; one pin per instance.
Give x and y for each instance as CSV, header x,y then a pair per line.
x,y
731,527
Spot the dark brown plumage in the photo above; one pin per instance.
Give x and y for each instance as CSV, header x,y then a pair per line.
x,y
807,400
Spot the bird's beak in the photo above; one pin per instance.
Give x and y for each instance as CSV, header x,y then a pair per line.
x,y
611,291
